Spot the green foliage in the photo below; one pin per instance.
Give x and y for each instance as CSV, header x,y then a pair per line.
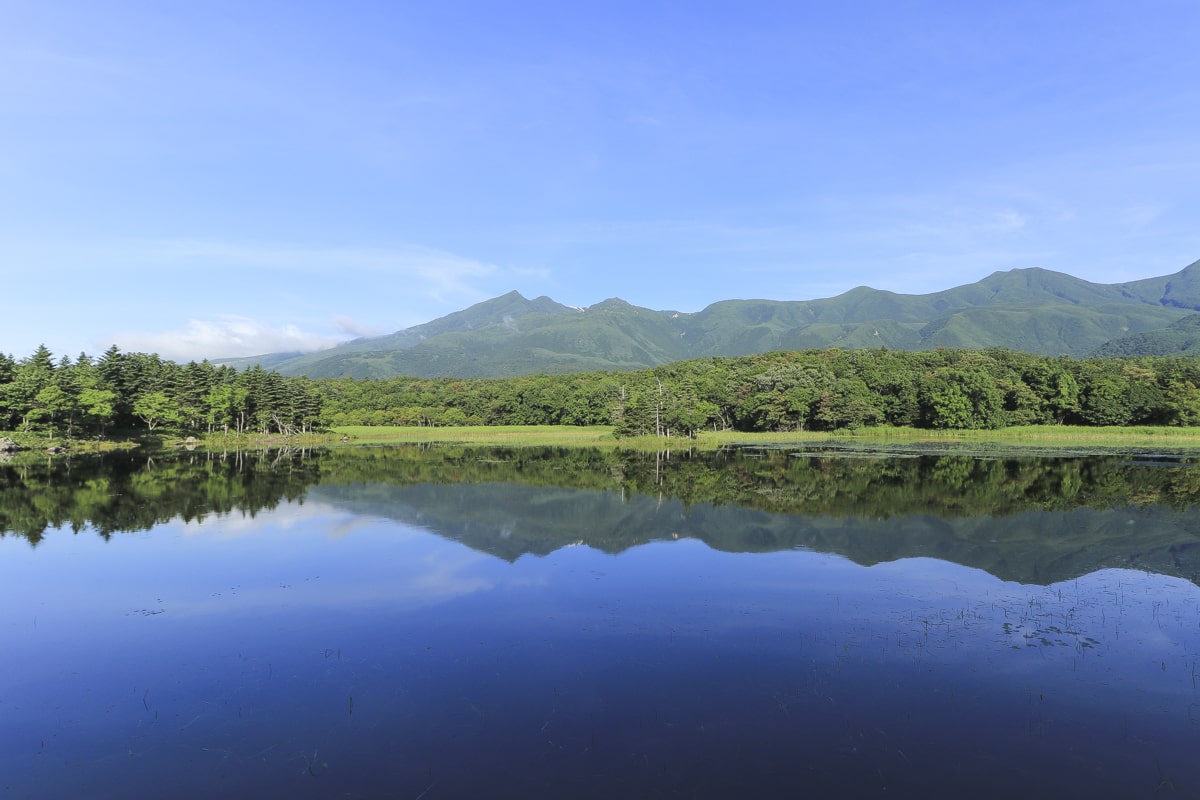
x,y
1105,399
155,408
795,391
1183,398
98,407
128,391
968,399
850,403
813,390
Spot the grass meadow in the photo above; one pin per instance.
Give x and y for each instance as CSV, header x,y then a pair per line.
x,y
601,436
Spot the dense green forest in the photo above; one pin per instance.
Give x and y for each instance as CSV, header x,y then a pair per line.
x,y
782,391
85,397
804,390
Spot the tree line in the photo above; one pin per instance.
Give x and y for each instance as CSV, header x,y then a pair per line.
x,y
802,390
784,391
86,397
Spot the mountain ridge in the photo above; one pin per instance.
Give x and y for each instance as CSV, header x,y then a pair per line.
x,y
1031,309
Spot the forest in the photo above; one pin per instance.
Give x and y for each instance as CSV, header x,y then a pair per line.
x,y
120,393
830,389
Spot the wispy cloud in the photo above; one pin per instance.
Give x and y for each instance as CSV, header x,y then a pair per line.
x,y
354,328
228,337
243,297
436,273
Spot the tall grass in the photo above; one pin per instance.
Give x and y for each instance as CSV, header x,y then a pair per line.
x,y
601,436
1033,435
519,435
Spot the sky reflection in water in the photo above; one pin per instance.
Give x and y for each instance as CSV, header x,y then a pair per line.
x,y
313,652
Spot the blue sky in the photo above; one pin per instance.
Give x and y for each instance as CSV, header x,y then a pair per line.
x,y
218,179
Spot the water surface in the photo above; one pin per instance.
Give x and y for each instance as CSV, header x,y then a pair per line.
x,y
462,623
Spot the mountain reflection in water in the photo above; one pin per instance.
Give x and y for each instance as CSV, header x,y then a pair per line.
x,y
412,622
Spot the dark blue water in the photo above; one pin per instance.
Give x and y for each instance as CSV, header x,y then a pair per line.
x,y
312,651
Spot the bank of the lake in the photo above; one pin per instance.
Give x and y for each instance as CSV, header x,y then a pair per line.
x,y
601,436
1036,436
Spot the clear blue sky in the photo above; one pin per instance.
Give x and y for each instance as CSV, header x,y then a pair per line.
x,y
205,179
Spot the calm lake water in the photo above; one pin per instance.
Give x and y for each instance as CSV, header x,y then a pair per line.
x,y
447,622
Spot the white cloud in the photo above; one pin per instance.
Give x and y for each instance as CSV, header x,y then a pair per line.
x,y
228,337
354,328
431,272
289,297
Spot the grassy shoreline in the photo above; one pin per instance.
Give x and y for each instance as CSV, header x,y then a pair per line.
x,y
601,436
1033,437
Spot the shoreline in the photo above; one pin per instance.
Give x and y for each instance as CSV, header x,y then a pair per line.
x,y
1032,438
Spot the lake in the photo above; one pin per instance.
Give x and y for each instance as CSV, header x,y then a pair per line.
x,y
446,622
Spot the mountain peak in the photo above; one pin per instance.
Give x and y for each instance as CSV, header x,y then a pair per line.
x,y
1031,309
612,303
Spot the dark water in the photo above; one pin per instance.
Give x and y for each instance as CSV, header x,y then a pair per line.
x,y
417,624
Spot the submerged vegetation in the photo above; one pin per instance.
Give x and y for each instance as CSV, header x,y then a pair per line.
x,y
121,395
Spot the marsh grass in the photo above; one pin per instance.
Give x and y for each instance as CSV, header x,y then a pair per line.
x,y
1032,436
516,435
601,436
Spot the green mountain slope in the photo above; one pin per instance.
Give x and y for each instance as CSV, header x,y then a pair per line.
x,y
500,313
1060,329
1181,290
1180,338
1034,310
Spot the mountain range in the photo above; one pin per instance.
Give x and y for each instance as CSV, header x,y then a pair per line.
x,y
1033,310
